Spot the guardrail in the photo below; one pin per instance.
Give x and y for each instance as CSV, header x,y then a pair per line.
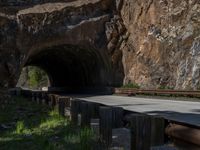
x,y
131,91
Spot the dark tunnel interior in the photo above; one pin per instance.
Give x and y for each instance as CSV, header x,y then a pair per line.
x,y
74,67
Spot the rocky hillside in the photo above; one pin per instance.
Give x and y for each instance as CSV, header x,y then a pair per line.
x,y
149,42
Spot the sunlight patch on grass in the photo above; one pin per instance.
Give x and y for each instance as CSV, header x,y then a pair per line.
x,y
41,128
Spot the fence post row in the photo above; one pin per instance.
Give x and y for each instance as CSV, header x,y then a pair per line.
x,y
146,131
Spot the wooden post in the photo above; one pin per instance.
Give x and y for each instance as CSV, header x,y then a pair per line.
x,y
47,99
52,101
85,114
12,92
37,97
56,97
30,94
18,92
88,111
61,106
75,109
106,125
68,102
157,131
94,107
117,117
67,106
43,97
94,125
33,96
140,132
40,97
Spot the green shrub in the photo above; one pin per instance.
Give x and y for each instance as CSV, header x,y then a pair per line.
x,y
20,127
36,77
131,85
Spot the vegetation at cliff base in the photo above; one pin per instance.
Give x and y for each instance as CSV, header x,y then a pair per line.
x,y
131,85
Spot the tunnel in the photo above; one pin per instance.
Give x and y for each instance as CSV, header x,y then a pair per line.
x,y
72,67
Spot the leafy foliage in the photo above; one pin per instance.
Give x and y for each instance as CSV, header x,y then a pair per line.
x,y
36,77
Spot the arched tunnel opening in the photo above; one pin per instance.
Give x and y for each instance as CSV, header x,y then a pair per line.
x,y
73,67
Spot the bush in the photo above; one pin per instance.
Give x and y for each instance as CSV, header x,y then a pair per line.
x,y
131,85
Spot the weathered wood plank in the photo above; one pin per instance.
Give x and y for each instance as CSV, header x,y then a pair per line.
x,y
117,117
157,131
106,125
140,132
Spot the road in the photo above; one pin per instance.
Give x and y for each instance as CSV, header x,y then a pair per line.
x,y
180,111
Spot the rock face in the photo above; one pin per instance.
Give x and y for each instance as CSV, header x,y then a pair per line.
x,y
163,43
102,42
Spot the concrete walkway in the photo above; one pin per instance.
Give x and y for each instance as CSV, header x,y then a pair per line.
x,y
179,111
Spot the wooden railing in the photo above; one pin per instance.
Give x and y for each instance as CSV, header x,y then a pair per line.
x,y
131,91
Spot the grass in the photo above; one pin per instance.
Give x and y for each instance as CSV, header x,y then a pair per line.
x,y
131,85
34,127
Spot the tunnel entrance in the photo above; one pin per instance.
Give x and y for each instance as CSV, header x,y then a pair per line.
x,y
72,67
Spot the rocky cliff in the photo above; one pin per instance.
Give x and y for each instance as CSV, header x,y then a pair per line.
x,y
102,42
163,44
